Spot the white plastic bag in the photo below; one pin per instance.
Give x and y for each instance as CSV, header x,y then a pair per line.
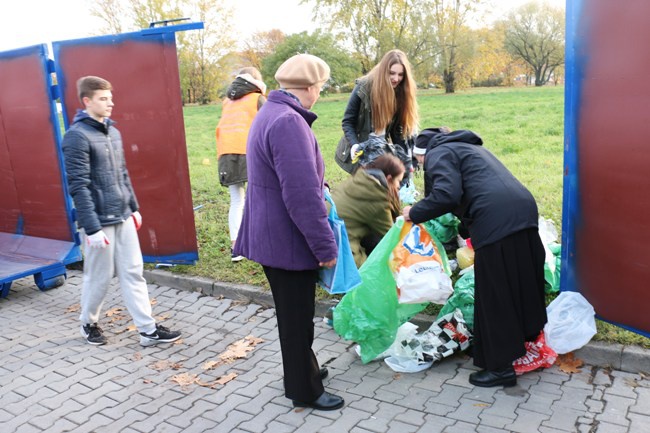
x,y
402,364
423,282
571,322
417,263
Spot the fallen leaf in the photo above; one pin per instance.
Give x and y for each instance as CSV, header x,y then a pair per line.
x,y
162,317
184,379
482,405
568,363
222,380
240,348
147,381
299,409
211,364
397,376
73,308
116,318
153,301
179,341
137,356
163,364
113,311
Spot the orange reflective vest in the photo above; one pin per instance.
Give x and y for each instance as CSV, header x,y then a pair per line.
x,y
236,119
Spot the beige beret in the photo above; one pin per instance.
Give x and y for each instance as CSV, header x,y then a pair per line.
x,y
302,71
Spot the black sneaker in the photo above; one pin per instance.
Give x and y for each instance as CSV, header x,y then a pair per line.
x,y
235,258
93,334
160,335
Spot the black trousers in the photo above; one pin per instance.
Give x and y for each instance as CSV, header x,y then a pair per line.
x,y
509,306
294,296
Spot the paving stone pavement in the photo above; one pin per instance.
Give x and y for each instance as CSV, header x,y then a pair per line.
x,y
51,380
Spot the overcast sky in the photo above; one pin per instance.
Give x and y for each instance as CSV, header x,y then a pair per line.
x,y
30,22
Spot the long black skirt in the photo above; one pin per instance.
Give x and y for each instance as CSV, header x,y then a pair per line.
x,y
509,306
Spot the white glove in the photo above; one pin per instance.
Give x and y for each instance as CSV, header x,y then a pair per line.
x,y
97,240
137,219
353,150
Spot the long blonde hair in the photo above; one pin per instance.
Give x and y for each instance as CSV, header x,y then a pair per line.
x,y
386,101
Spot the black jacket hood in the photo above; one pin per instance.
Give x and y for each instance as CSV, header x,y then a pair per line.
x,y
432,137
240,88
83,116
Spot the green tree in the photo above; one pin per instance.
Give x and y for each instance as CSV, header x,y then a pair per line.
x,y
144,12
535,34
432,33
371,26
343,68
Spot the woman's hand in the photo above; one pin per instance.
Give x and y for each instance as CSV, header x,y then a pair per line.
x,y
329,264
406,213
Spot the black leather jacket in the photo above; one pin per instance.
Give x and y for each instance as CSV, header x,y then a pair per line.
x,y
357,119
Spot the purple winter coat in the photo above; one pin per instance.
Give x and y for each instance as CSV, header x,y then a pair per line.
x,y
285,219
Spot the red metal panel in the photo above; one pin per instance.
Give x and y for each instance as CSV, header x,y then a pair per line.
x,y
613,236
148,112
30,178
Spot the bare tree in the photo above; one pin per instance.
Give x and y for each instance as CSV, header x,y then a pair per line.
x,y
201,53
535,34
261,45
110,12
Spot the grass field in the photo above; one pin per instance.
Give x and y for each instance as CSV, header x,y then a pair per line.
x,y
522,126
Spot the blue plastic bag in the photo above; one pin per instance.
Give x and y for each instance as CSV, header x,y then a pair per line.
x,y
344,276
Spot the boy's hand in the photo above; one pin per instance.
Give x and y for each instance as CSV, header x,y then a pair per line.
x,y
97,240
137,219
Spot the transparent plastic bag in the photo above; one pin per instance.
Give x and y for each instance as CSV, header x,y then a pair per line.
x,y
571,322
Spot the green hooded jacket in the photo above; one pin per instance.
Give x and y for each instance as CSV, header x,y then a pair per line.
x,y
362,202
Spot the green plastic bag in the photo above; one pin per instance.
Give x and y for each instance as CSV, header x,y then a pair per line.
x,y
370,313
552,269
444,228
463,299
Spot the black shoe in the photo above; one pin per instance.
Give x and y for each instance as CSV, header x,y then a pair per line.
x,y
486,378
323,372
160,335
326,401
93,334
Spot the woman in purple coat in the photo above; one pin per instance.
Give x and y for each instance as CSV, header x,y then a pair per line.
x,y
284,227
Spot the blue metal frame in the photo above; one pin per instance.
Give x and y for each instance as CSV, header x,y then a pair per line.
x,y
571,215
52,275
168,34
577,50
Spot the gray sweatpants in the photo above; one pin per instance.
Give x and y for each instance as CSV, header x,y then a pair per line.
x,y
124,258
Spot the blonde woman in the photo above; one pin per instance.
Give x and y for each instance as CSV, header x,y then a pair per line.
x,y
382,103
